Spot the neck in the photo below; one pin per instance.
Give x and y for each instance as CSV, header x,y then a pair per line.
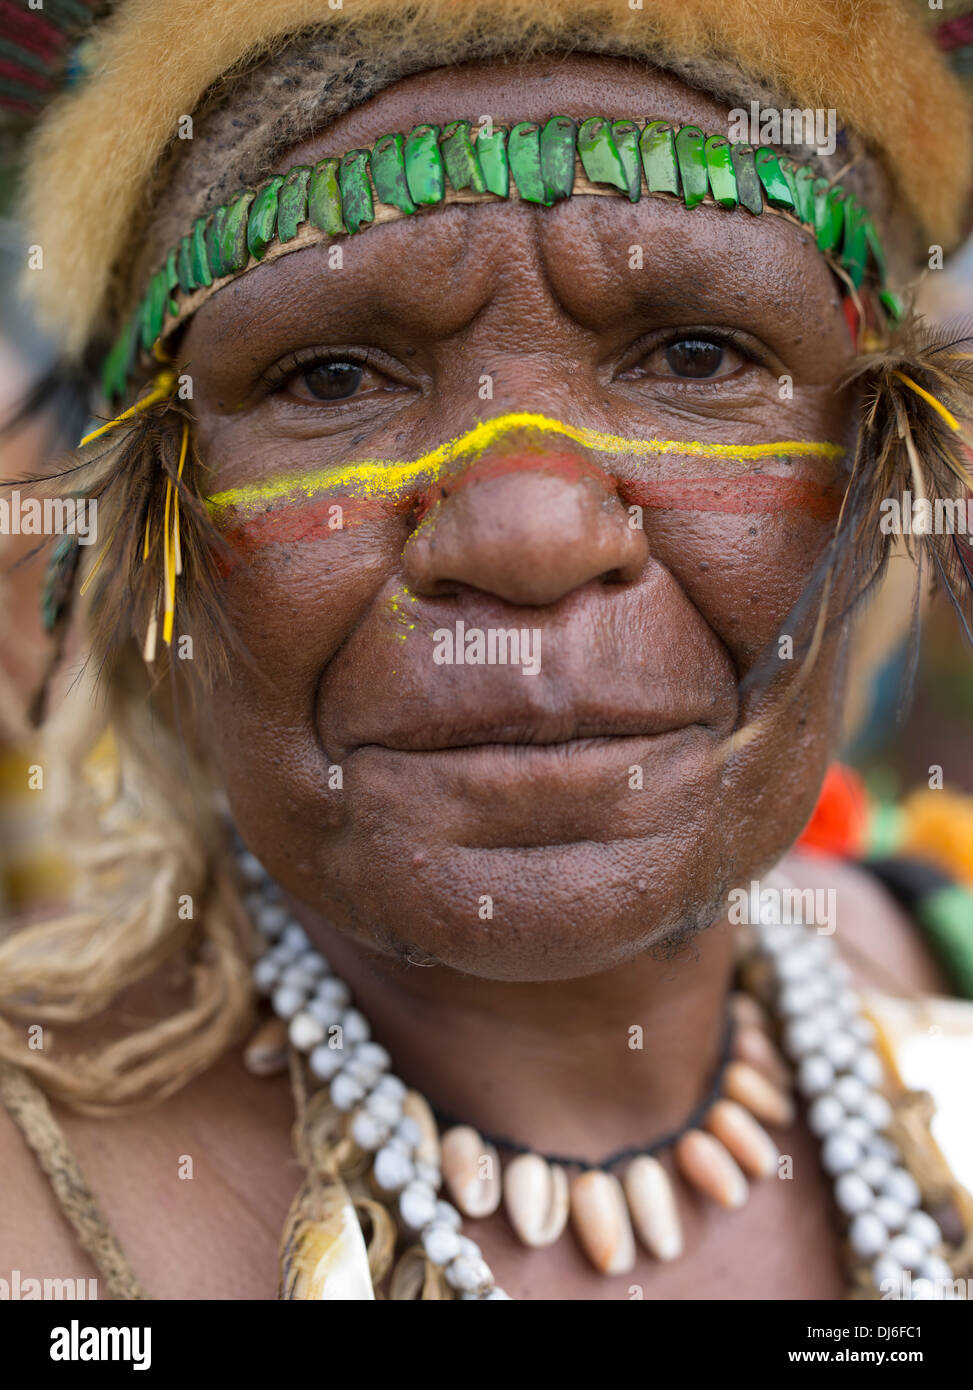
x,y
578,1067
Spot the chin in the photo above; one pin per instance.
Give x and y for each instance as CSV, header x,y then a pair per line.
x,y
551,912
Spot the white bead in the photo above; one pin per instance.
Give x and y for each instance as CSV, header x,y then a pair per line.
x,y
448,1215
364,1075
839,1153
796,999
368,1133
385,1108
874,1169
495,1294
801,1036
270,919
313,963
852,1194
839,971
417,1205
867,1068
850,1091
867,1235
888,1272
840,1050
287,1000
819,948
297,976
334,992
391,1086
468,1275
935,1268
305,1032
355,1027
822,990
346,1092
901,1185
325,1062
428,1172
876,1110
295,937
775,936
907,1250
824,1115
892,1212
848,1005
410,1130
863,1029
858,1129
884,1148
265,974
469,1248
374,1055
251,869
441,1243
794,966
284,954
324,1012
830,1020
392,1170
815,1074
924,1228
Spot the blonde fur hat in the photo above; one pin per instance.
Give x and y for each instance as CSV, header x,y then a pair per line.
x,y
94,161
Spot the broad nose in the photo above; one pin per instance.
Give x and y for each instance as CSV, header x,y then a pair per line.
x,y
527,527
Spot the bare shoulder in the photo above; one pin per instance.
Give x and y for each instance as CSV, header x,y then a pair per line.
x,y
35,1238
882,944
195,1190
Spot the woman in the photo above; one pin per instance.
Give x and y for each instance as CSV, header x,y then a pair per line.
x,y
481,517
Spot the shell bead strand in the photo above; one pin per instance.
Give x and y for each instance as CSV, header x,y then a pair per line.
x,y
825,1034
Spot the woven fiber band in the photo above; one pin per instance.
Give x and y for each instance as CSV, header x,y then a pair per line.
x,y
432,166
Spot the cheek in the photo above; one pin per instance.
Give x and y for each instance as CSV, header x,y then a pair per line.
x,y
744,549
289,607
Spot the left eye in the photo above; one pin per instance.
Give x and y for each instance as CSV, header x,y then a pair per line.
x,y
695,357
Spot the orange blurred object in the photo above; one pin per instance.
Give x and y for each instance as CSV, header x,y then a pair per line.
x,y
839,821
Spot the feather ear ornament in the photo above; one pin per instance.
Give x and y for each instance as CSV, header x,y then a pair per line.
x,y
155,540
912,469
911,478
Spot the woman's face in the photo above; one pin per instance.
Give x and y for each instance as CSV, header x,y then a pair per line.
x,y
513,822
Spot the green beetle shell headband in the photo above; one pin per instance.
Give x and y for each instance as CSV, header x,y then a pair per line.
x,y
432,166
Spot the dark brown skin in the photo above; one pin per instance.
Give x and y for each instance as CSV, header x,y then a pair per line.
x,y
465,781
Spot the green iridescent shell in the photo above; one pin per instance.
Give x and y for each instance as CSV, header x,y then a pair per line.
x,y
524,154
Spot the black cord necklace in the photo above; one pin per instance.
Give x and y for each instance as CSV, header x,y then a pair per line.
x,y
664,1141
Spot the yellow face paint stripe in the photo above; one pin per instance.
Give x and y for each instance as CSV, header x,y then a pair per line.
x,y
382,476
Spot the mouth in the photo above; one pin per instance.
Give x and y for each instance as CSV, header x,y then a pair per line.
x,y
565,735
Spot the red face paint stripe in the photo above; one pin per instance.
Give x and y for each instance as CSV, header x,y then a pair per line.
x,y
301,523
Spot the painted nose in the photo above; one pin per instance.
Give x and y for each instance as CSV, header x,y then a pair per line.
x,y
528,528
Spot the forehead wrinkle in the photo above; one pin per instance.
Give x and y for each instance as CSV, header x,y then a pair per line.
x,y
713,262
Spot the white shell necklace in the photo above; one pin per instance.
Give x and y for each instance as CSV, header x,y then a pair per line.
x,y
824,1033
